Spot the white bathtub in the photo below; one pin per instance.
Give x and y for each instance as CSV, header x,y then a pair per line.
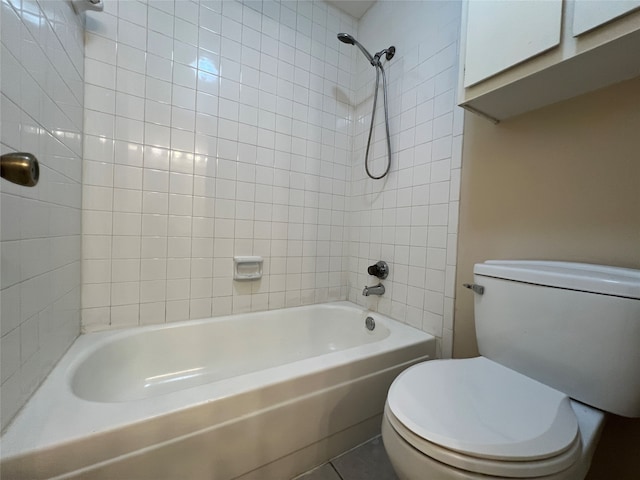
x,y
255,396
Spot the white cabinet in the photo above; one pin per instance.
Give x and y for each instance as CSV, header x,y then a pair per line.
x,y
589,14
502,34
513,62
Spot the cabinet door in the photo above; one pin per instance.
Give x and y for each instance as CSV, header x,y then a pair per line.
x,y
589,14
501,34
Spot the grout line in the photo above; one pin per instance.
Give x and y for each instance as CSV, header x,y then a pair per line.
x,y
336,470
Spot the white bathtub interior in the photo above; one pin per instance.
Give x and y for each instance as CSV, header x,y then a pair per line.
x,y
145,393
128,367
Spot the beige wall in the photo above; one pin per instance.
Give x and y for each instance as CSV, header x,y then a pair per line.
x,y
559,183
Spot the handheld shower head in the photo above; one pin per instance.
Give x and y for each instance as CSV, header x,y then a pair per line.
x,y
348,39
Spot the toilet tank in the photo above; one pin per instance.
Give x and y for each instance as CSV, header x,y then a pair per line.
x,y
572,326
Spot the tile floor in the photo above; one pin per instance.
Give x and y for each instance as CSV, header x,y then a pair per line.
x,y
369,461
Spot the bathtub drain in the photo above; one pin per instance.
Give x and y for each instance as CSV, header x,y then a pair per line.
x,y
370,323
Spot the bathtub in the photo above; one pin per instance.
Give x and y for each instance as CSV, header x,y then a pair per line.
x,y
263,395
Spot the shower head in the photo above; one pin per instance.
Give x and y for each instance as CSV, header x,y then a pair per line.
x,y
346,38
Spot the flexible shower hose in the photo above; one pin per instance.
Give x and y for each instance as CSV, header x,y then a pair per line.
x,y
379,69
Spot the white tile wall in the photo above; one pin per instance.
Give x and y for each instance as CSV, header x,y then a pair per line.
x,y
213,129
41,112
410,218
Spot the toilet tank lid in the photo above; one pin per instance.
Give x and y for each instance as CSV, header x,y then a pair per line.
x,y
601,279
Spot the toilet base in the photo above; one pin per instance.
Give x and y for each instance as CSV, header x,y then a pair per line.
x,y
410,464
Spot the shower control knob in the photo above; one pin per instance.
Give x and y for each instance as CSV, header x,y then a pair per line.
x,y
380,269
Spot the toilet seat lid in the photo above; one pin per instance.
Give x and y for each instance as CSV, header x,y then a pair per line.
x,y
483,409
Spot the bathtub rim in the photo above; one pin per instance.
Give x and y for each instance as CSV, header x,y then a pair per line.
x,y
22,439
100,340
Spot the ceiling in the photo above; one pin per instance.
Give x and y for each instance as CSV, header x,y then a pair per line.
x,y
355,8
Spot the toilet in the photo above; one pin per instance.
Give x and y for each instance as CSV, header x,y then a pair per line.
x,y
559,348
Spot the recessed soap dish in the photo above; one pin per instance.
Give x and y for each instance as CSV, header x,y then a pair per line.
x,y
247,268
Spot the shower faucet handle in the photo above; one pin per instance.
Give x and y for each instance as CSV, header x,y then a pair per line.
x,y
380,269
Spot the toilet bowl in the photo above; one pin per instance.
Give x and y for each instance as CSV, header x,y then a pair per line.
x,y
559,349
475,419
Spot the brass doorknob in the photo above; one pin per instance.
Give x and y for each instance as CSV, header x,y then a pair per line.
x,y
21,168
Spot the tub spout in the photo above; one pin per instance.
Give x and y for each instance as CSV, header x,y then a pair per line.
x,y
376,290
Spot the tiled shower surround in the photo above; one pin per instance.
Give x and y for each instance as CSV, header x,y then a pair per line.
x,y
41,112
410,218
213,129
222,128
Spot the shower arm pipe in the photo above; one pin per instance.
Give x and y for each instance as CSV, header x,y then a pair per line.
x,y
378,65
